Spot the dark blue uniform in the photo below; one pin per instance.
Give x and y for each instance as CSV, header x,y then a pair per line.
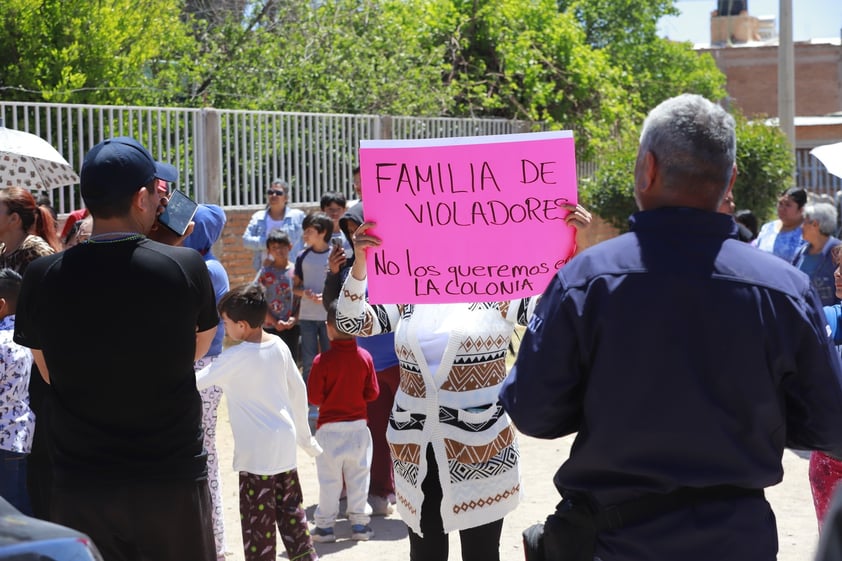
x,y
683,358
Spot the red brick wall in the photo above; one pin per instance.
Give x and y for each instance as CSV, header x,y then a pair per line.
x,y
752,78
817,135
237,259
234,257
598,231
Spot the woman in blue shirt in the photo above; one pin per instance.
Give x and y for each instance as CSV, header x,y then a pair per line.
x,y
783,236
277,215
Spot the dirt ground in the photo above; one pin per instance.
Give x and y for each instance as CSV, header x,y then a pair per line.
x,y
790,500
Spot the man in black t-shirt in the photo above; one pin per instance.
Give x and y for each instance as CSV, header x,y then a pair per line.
x,y
115,324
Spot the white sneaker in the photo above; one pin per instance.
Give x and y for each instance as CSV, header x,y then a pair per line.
x,y
323,535
380,506
361,532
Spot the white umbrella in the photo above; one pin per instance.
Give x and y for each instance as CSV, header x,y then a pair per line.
x,y
831,156
29,161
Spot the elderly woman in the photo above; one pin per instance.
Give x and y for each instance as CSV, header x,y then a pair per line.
x,y
816,257
277,215
783,236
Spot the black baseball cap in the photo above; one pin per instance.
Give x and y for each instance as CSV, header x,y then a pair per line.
x,y
118,167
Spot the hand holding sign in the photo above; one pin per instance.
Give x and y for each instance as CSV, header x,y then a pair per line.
x,y
579,216
361,242
471,219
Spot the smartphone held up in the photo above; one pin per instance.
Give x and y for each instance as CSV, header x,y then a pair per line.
x,y
178,213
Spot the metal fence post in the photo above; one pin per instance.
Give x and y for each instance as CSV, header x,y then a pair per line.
x,y
384,128
209,144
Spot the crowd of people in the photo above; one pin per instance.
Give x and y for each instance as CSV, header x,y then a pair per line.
x,y
114,367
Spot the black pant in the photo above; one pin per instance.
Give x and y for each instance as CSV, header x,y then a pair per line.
x,y
149,521
39,464
481,543
291,337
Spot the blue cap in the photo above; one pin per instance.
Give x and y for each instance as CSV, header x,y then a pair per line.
x,y
117,167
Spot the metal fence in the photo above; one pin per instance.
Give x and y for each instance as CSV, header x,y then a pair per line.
x,y
228,156
812,175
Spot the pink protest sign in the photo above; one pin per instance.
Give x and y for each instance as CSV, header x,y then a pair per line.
x,y
468,219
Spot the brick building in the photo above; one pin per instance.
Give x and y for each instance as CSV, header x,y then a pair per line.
x,y
751,70
745,49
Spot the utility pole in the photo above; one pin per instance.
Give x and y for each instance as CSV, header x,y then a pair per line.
x,y
786,74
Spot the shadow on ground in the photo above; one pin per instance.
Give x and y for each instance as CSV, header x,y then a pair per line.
x,y
386,528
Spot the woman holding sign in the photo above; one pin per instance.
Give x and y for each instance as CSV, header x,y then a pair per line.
x,y
453,447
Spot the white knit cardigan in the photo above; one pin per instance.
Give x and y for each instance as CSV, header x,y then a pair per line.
x,y
454,409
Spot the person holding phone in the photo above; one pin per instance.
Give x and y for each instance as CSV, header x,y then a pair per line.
x,y
178,213
277,215
334,204
126,417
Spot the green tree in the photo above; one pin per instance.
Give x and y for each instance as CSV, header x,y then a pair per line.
x,y
609,193
86,52
627,31
764,164
527,60
340,56
764,170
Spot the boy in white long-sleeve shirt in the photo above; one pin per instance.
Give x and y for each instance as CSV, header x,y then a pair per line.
x,y
267,406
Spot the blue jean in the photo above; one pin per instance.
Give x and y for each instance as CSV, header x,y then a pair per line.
x,y
313,341
13,480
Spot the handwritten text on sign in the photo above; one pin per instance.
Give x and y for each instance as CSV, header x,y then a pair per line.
x,y
469,219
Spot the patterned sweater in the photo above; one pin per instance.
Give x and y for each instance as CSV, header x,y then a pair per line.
x,y
454,408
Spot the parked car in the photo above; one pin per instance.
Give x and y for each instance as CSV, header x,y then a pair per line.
x,y
23,538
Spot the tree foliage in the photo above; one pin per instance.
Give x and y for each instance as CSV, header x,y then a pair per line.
x,y
764,170
85,52
527,60
342,56
591,66
626,30
765,166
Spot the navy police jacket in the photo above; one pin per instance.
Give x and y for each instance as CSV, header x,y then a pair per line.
x,y
681,357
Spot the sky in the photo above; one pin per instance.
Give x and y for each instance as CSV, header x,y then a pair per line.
x,y
812,19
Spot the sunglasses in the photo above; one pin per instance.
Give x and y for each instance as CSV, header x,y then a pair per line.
x,y
278,192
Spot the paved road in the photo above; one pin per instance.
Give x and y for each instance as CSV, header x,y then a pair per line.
x,y
791,501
